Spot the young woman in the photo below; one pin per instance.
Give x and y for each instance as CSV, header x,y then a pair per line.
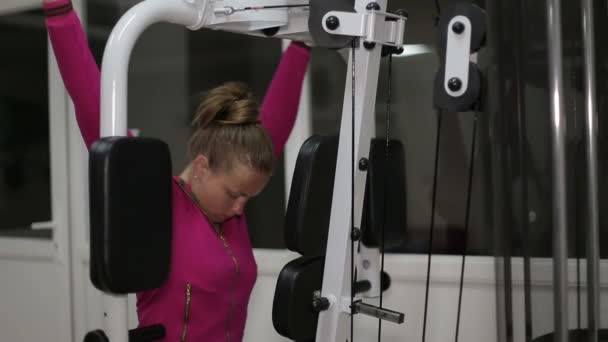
x,y
232,152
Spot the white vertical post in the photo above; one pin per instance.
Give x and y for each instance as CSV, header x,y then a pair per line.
x,y
333,324
114,103
117,54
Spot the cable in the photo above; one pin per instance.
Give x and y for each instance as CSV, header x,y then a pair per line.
x,y
352,198
273,7
466,224
433,200
438,12
385,180
432,226
228,10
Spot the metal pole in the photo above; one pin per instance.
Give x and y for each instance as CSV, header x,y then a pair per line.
x,y
591,130
558,142
113,120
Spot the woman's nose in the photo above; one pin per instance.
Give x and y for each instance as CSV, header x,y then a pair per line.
x,y
239,206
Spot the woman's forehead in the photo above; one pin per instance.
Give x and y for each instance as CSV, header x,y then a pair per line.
x,y
245,179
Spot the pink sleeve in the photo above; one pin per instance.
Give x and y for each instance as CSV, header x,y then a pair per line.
x,y
280,106
77,66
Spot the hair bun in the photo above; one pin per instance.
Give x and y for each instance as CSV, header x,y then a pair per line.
x,y
231,103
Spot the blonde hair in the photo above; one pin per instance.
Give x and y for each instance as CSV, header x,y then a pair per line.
x,y
227,130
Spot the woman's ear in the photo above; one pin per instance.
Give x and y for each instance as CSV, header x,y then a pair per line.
x,y
200,166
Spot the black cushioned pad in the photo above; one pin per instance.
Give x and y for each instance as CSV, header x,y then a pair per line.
x,y
130,213
292,312
310,197
385,201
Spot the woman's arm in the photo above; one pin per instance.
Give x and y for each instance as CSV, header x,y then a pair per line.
x,y
280,106
77,66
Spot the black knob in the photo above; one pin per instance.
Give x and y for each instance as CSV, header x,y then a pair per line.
x,y
363,164
458,27
271,31
454,84
362,286
320,304
402,12
385,281
332,22
96,336
369,45
355,234
391,50
372,6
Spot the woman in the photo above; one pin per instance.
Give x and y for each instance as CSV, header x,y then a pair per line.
x,y
231,154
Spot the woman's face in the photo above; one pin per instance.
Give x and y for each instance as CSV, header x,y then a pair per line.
x,y
224,193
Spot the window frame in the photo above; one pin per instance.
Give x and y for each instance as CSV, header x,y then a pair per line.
x,y
55,248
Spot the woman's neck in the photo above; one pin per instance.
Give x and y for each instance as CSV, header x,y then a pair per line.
x,y
186,175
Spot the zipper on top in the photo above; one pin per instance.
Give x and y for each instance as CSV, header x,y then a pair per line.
x,y
186,311
218,230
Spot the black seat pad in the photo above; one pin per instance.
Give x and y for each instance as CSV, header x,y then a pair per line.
x,y
385,200
310,197
292,312
130,213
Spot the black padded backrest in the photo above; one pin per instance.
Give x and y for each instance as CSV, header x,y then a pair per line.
x,y
292,310
310,197
130,213
385,200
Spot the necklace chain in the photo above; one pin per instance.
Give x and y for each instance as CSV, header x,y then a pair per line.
x,y
182,184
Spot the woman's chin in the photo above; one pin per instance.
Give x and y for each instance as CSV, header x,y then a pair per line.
x,y
219,219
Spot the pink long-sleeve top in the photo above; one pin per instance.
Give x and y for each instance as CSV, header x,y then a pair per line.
x,y
212,275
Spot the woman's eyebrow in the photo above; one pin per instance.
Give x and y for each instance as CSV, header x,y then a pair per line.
x,y
237,193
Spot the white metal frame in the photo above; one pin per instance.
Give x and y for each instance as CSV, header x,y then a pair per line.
x,y
458,54
293,23
333,323
370,25
12,6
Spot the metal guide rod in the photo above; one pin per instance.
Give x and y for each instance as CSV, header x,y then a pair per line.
x,y
591,132
377,312
558,144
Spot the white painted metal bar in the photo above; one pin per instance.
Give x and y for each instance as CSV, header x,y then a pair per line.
x,y
114,104
117,54
333,324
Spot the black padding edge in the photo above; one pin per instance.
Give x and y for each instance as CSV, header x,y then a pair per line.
x,y
310,197
385,206
130,213
292,312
